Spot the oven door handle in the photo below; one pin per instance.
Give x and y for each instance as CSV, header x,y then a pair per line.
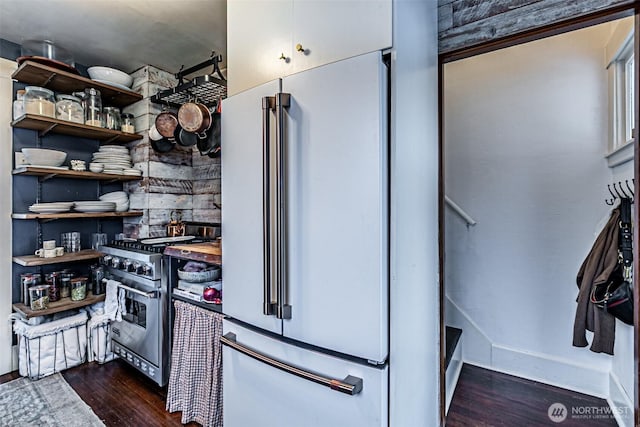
x,y
150,295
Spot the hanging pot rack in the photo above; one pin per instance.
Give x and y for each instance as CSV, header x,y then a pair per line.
x,y
207,89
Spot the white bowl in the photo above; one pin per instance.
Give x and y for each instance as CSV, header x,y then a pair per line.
x,y
110,75
44,157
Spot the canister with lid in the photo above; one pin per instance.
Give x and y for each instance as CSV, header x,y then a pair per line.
x,y
127,123
40,101
111,116
92,107
78,288
69,108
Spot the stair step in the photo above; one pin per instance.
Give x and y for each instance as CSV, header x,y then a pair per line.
x,y
452,336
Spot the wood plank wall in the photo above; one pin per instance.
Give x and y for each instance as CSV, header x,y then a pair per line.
x,y
466,23
181,180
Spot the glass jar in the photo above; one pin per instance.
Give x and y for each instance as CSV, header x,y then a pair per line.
x,y
39,296
111,117
65,286
97,274
127,123
92,107
18,108
69,108
53,281
38,100
28,280
78,288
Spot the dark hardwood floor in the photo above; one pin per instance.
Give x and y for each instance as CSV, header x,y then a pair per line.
x,y
485,398
120,396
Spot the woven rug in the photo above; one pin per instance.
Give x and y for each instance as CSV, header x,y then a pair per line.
x,y
49,401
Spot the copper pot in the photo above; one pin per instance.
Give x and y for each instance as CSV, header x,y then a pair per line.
x,y
195,118
166,124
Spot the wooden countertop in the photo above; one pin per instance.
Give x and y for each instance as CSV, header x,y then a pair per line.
x,y
204,252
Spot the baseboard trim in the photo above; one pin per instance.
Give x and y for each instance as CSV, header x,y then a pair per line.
x,y
452,375
532,366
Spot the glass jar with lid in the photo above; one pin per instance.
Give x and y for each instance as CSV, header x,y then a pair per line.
x,y
127,123
111,116
78,288
69,108
92,107
40,101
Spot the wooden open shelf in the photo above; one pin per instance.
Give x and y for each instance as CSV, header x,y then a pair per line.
x,y
62,81
71,215
57,173
33,260
55,307
44,125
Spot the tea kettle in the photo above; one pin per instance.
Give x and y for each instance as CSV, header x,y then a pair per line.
x,y
176,226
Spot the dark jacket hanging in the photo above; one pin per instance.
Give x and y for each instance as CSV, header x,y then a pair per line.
x,y
595,270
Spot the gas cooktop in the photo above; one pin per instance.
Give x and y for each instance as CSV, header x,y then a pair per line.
x,y
153,245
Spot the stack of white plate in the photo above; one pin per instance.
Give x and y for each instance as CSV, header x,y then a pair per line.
x,y
94,206
120,198
54,207
114,157
132,172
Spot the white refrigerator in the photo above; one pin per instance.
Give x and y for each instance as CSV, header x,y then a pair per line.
x,y
305,194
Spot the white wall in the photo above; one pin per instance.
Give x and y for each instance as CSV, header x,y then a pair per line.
x,y
6,165
525,134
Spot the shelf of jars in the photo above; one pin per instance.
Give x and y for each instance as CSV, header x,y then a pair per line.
x,y
63,304
33,73
34,261
71,215
71,174
45,125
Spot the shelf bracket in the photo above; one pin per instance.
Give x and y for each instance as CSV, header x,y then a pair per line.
x,y
113,138
51,77
47,130
47,177
44,221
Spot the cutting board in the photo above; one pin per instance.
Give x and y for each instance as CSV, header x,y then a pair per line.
x,y
206,252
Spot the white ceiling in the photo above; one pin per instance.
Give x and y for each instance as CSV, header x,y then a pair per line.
x,y
124,34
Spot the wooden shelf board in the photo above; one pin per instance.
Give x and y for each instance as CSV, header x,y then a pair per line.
x,y
41,171
33,260
63,81
71,215
48,124
63,304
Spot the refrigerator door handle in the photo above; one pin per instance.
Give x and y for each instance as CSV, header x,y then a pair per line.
x,y
283,101
350,385
269,307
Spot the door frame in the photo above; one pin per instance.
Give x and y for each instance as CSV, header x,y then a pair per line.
x,y
557,28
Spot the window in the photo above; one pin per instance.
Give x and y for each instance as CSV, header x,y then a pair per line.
x,y
622,78
629,72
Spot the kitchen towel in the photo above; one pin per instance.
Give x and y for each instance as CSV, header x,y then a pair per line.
x,y
114,301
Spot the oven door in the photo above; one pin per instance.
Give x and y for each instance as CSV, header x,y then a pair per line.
x,y
139,330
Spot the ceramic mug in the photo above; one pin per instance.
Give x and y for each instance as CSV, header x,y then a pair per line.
x,y
46,253
59,250
49,244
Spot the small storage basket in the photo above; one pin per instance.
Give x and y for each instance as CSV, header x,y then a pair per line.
x,y
99,339
51,347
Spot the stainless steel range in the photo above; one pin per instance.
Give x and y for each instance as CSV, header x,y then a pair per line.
x,y
142,337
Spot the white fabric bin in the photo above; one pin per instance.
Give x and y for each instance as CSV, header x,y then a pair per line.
x,y
51,347
99,339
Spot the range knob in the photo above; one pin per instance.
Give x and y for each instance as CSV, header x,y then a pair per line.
x,y
115,262
127,265
147,270
136,267
106,260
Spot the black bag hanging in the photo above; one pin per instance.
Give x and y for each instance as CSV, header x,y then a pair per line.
x,y
616,296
